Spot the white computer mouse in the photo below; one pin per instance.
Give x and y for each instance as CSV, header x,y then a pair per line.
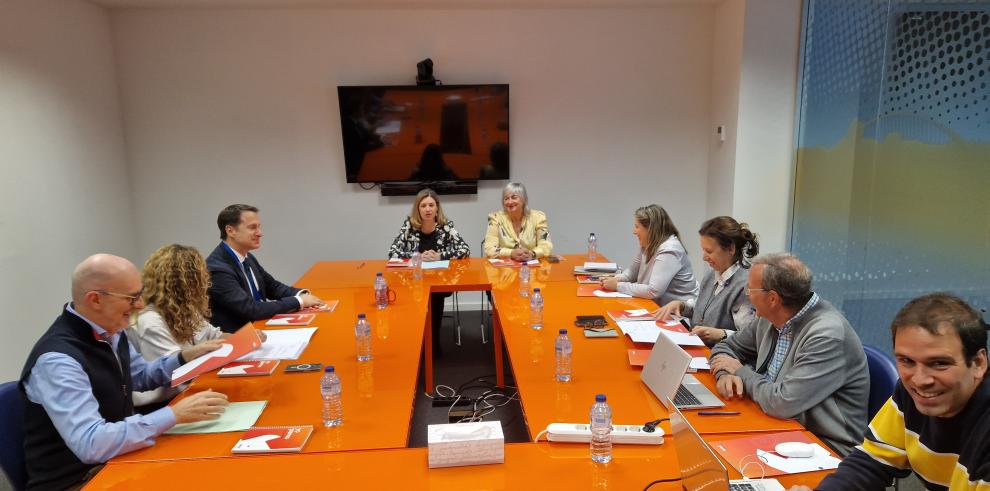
x,y
795,449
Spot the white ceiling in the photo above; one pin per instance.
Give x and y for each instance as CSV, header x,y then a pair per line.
x,y
395,3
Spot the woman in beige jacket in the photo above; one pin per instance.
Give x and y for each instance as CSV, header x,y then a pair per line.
x,y
517,232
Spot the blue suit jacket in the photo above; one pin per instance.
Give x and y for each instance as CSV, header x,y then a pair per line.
x,y
230,296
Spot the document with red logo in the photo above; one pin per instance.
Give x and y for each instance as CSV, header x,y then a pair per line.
x,y
631,315
329,306
290,320
512,263
242,342
248,368
761,448
597,291
397,263
269,439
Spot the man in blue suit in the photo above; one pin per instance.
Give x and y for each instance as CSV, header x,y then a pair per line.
x,y
241,290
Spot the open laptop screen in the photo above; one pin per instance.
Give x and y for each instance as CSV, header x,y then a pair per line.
x,y
700,468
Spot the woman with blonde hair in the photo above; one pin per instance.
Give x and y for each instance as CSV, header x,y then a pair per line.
x,y
661,270
517,232
428,231
176,310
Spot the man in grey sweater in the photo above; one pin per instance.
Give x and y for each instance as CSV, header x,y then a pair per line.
x,y
800,360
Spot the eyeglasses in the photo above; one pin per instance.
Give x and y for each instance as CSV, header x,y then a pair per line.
x,y
749,291
133,299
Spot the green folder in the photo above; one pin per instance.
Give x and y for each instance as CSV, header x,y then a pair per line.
x,y
239,416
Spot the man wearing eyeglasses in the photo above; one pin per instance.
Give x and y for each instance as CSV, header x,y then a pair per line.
x,y
77,381
801,360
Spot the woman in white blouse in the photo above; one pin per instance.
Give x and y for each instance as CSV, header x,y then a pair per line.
x,y
661,270
177,307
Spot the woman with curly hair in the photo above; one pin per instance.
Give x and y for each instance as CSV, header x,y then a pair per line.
x,y
176,310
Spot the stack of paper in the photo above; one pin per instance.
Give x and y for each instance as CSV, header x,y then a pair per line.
x,y
603,267
647,332
631,315
282,344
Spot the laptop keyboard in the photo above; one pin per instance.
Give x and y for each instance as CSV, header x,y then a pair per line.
x,y
741,486
685,398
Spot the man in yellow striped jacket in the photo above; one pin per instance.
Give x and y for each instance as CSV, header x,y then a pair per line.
x,y
937,423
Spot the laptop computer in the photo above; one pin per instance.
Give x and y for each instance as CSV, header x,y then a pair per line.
x,y
664,375
700,468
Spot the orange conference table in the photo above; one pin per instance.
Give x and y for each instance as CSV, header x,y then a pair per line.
x,y
382,389
527,466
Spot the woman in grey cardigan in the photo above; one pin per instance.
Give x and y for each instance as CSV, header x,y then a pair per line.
x,y
661,270
722,306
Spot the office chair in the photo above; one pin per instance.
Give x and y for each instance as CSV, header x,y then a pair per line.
x,y
883,378
12,435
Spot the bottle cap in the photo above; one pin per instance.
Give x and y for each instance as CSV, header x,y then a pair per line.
x,y
536,290
328,369
563,331
378,273
360,316
600,398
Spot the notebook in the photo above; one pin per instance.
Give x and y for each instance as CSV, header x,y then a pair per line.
x,y
248,368
270,439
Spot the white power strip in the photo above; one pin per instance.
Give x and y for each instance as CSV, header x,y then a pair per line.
x,y
570,432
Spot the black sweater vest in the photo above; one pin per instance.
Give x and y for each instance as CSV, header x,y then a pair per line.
x,y
50,463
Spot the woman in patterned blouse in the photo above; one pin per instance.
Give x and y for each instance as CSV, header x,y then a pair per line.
x,y
426,230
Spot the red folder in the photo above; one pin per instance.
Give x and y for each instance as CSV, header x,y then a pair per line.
x,y
242,342
736,450
261,439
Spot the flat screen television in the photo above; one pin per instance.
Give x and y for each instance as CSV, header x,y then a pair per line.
x,y
425,133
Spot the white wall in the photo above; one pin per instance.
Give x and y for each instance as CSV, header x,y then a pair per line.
x,y
64,188
609,108
726,71
764,164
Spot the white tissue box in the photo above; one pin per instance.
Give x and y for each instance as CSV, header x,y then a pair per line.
x,y
457,444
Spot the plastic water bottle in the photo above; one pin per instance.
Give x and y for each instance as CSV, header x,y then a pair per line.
x,y
333,408
362,335
381,292
416,263
592,247
536,310
524,281
601,431
563,352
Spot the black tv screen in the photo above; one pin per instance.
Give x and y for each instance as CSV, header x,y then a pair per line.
x,y
425,133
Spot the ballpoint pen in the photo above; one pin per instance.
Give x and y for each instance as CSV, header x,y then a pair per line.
x,y
718,413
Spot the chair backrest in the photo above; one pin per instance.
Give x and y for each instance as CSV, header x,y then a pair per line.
x,y
883,378
12,435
